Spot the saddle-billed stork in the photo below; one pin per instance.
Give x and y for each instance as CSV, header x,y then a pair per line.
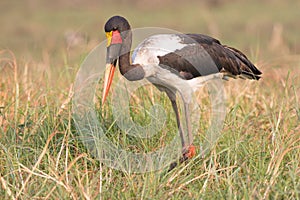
x,y
172,62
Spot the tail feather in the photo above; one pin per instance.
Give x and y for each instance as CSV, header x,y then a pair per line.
x,y
247,69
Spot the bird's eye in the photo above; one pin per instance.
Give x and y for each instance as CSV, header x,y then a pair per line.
x,y
115,28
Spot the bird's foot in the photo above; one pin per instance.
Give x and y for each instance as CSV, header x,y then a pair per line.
x,y
188,153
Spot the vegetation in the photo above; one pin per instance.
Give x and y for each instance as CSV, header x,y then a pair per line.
x,y
43,45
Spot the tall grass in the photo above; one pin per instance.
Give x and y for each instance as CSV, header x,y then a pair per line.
x,y
256,157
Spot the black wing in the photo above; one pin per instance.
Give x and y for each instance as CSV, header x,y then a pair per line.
x,y
206,55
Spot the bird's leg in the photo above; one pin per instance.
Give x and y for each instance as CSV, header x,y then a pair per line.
x,y
188,122
172,98
189,149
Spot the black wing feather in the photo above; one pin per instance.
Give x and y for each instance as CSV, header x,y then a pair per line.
x,y
210,56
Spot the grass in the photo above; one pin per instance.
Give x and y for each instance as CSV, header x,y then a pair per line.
x,y
257,156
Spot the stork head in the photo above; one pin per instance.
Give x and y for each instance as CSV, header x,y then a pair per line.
x,y
116,29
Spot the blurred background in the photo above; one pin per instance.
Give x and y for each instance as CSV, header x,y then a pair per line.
x,y
63,29
48,40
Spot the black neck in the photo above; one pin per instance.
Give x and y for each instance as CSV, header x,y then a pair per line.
x,y
129,71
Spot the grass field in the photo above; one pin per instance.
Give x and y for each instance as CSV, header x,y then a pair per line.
x,y
41,157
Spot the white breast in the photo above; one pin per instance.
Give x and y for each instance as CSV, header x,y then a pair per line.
x,y
156,45
159,45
